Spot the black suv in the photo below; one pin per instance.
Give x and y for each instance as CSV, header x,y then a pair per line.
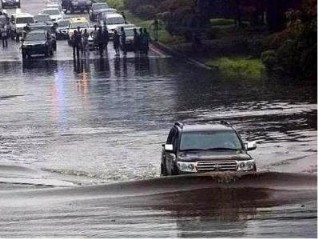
x,y
77,5
204,148
37,42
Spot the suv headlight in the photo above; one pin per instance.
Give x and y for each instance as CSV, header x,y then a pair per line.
x,y
187,167
245,165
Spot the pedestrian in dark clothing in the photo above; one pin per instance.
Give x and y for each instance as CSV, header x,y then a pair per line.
x,y
145,41
116,42
156,29
100,41
124,16
136,41
105,38
123,40
76,44
85,41
4,36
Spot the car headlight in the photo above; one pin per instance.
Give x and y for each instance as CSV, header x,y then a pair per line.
x,y
187,167
246,165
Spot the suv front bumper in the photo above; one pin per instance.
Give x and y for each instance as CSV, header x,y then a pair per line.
x,y
216,166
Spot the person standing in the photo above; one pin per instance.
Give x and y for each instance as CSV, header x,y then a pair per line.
x,y
136,41
85,41
116,42
123,40
105,39
4,35
76,44
156,28
146,40
100,41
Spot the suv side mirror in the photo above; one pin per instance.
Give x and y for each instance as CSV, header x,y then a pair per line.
x,y
168,147
250,146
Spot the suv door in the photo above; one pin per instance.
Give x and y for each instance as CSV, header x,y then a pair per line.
x,y
169,157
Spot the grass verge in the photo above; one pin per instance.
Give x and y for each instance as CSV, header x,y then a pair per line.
x,y
243,66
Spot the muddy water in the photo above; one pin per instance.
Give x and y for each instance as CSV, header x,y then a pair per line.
x,y
67,126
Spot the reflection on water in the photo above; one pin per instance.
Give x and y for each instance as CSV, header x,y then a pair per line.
x,y
117,111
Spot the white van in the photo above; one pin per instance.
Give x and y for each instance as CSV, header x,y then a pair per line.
x,y
112,21
18,21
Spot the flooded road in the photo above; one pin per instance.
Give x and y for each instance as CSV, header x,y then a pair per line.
x,y
80,147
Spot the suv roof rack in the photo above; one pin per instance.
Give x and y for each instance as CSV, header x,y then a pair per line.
x,y
179,124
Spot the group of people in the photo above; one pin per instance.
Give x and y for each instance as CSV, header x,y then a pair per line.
x,y
100,37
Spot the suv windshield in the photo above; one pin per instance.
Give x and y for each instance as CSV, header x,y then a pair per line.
x,y
99,6
42,18
115,20
22,20
51,11
210,140
36,36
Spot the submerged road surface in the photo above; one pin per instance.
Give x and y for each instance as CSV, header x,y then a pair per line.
x,y
80,147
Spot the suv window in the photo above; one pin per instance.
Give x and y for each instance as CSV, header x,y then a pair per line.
x,y
210,140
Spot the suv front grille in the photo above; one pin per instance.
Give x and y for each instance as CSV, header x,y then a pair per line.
x,y
217,166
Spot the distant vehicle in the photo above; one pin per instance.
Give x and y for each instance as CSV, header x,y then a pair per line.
x,y
54,13
17,23
62,29
37,42
10,4
205,148
54,5
43,18
96,8
80,22
113,21
76,5
102,13
129,32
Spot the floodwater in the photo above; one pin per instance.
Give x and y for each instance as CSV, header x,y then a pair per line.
x,y
80,147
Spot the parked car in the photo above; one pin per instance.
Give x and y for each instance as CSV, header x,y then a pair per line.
x,y
54,5
54,13
61,30
37,42
113,21
43,18
96,8
17,23
77,5
10,4
205,148
50,30
102,13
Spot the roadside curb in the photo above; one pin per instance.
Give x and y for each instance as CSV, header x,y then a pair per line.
x,y
180,55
